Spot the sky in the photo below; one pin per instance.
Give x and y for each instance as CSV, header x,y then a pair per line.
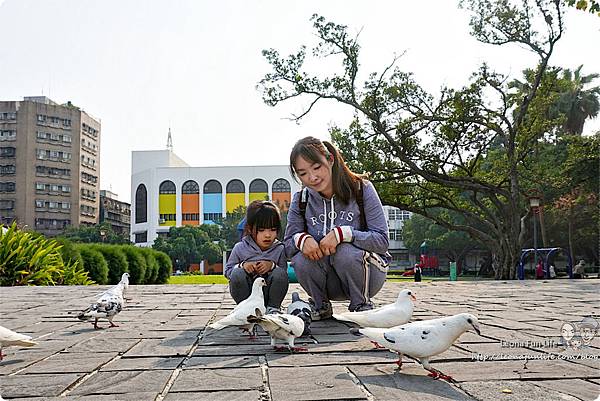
x,y
145,66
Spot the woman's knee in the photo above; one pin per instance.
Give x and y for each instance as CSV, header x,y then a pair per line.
x,y
301,263
347,255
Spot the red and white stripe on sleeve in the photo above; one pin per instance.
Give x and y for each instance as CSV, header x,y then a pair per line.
x,y
343,233
299,239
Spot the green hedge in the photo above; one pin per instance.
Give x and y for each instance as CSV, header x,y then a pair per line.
x,y
165,267
116,260
136,262
94,263
151,265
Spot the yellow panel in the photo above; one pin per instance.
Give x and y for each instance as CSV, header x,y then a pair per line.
x,y
234,200
166,205
258,196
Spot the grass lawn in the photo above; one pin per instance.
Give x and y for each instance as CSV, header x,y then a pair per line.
x,y
211,279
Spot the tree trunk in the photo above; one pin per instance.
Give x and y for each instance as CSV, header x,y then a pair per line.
x,y
570,235
542,227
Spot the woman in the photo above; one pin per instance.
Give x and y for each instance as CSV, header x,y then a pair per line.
x,y
336,234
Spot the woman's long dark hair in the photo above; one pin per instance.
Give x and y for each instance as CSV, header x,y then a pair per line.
x,y
345,182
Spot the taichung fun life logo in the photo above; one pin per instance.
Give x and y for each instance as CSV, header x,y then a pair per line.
x,y
579,335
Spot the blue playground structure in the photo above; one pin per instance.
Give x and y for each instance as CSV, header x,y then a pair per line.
x,y
544,254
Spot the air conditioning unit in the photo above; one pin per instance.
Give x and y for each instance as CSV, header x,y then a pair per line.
x,y
161,221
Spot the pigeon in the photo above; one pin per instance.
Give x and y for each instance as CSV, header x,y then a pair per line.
x,y
386,316
239,315
282,326
9,337
109,304
300,308
422,339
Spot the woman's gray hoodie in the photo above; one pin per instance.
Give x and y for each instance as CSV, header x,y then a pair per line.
x,y
248,251
323,215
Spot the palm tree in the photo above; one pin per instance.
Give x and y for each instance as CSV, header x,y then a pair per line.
x,y
578,103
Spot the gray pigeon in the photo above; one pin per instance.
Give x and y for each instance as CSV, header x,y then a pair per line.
x,y
300,308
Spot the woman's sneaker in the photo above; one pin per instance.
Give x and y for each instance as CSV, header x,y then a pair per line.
x,y
273,310
324,312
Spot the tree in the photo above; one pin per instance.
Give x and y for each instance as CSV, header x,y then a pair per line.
x,y
188,245
229,226
578,103
93,233
462,150
454,245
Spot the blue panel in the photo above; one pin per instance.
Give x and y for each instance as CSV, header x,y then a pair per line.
x,y
212,203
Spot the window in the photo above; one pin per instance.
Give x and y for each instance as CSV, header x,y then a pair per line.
x,y
7,187
258,186
8,135
235,187
166,187
141,237
190,217
397,214
7,151
7,204
9,169
213,187
281,185
395,235
141,200
216,217
190,187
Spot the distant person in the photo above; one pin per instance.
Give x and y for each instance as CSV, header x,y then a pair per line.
x,y
552,271
579,269
337,234
417,271
259,253
539,270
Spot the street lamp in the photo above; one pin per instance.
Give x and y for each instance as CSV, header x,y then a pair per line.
x,y
102,234
534,203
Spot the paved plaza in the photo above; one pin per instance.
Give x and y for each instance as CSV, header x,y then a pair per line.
x,y
161,351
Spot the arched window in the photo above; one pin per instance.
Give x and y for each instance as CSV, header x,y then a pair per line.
x,y
213,187
281,185
166,187
141,204
235,187
258,185
190,187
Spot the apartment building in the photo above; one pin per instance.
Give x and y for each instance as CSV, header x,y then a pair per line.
x,y
49,165
115,212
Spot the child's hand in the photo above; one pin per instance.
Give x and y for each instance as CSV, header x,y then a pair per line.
x,y
249,267
329,243
311,249
264,266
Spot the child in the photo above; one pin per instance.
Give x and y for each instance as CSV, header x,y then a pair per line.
x,y
259,253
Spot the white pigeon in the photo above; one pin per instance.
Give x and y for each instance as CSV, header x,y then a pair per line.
x,y
422,339
9,338
386,316
109,305
239,315
282,326
300,308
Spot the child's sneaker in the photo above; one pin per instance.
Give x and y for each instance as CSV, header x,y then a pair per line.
x,y
363,307
325,312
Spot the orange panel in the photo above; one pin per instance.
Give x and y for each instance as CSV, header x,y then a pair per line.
x,y
282,200
190,203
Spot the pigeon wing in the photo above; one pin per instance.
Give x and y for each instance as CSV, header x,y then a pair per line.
x,y
9,337
282,325
418,339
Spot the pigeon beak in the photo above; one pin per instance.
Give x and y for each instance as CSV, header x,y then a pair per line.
x,y
413,297
476,328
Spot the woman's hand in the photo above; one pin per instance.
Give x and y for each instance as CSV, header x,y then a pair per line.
x,y
311,249
329,243
263,267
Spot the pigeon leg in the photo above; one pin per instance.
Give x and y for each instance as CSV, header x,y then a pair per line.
x,y
292,348
113,325
96,327
1,354
399,361
436,374
377,345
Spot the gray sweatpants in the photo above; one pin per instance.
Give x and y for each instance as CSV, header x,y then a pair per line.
x,y
240,286
349,274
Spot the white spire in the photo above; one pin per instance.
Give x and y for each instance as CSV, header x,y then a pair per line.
x,y
170,141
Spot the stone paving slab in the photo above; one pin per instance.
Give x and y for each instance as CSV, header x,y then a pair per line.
x,y
162,351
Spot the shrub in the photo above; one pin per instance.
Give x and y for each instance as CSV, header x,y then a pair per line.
x,y
136,262
94,263
151,266
69,251
116,260
165,267
30,259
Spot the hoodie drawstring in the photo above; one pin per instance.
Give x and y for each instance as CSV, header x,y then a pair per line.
x,y
331,219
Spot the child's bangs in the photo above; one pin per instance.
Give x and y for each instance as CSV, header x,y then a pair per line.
x,y
267,218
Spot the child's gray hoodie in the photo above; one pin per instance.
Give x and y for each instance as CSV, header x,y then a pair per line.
x,y
248,251
323,215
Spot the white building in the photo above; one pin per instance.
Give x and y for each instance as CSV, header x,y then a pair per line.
x,y
167,192
395,218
